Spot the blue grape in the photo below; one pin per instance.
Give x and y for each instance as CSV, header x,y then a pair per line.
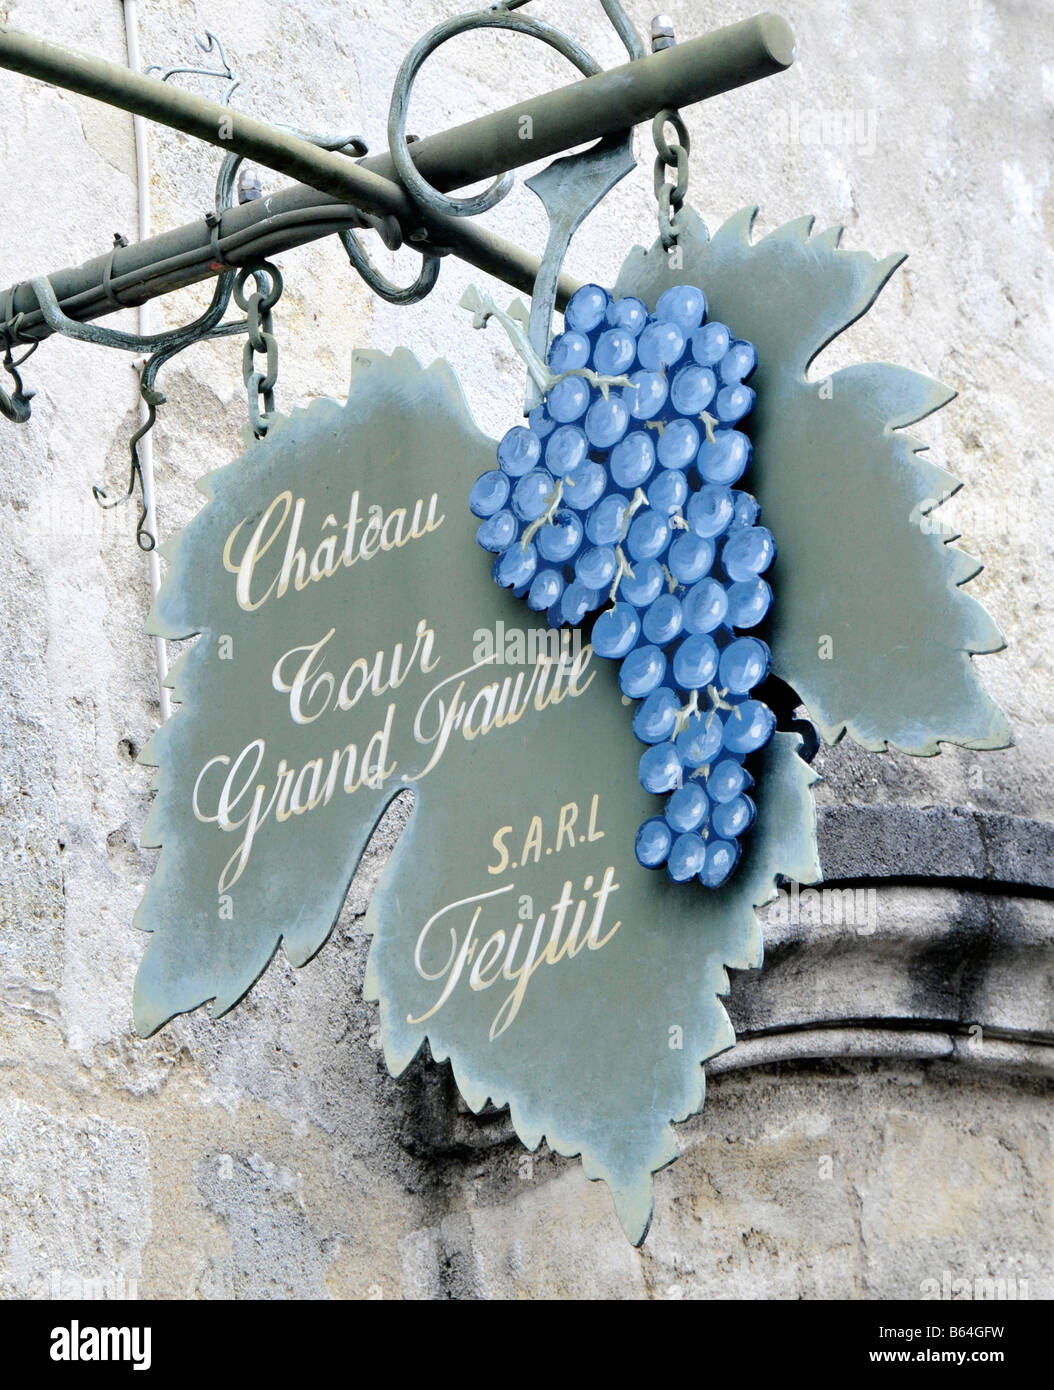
x,y
596,567
514,568
519,451
749,727
606,421
585,486
656,716
710,343
648,536
748,602
653,843
668,492
744,664
726,459
569,399
733,402
722,856
686,858
660,345
695,661
693,389
530,496
565,449
688,808
690,557
616,631
614,352
568,351
641,672
545,590
710,511
678,444
586,308
660,768
748,552
629,313
699,742
559,540
737,363
644,585
734,818
489,493
745,511
705,605
578,600
498,531
663,620
646,394
606,520
685,304
727,780
632,459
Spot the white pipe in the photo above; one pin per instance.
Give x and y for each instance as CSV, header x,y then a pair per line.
x,y
146,447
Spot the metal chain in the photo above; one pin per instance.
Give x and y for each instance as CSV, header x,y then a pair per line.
x,y
260,339
674,156
670,197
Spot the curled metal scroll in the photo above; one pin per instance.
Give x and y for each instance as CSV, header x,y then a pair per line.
x,y
15,406
416,185
389,231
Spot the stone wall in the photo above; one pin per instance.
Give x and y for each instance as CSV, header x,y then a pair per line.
x,y
885,1124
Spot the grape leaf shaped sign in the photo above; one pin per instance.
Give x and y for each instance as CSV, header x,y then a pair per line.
x,y
339,593
352,645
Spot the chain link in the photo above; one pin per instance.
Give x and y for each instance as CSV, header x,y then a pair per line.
x,y
260,339
674,156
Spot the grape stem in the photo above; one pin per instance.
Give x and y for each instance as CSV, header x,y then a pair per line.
x,y
718,701
685,713
553,502
640,499
623,568
483,308
709,421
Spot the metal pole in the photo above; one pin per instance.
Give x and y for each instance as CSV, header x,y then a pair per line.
x,y
336,186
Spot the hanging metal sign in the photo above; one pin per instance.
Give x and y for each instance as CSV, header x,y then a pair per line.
x,y
353,645
599,721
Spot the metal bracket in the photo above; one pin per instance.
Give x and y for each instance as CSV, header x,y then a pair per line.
x,y
569,189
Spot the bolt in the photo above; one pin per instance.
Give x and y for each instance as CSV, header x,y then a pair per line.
x,y
249,186
662,33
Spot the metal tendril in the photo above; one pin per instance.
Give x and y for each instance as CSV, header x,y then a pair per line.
x,y
16,405
208,44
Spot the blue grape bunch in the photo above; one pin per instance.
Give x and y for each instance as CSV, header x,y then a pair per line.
x,y
618,494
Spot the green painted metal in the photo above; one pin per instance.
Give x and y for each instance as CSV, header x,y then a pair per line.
x,y
339,192
569,189
524,773
424,194
870,624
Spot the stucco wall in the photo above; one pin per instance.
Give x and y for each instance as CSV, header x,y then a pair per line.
x,y
864,1139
